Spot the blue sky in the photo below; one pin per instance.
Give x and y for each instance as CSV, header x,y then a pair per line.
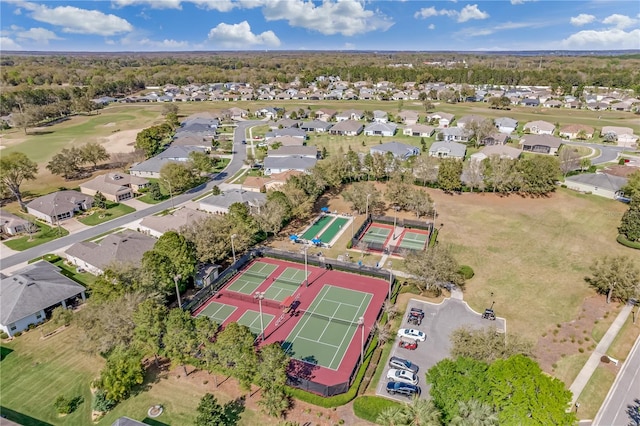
x,y
184,25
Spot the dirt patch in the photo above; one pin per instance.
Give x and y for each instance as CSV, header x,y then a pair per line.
x,y
120,141
112,124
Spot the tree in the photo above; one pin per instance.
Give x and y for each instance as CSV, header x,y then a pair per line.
x,y
149,318
15,168
154,191
61,316
271,375
500,174
398,189
210,237
434,267
200,161
486,344
630,223
66,163
177,177
99,200
180,340
179,251
420,412
418,201
474,413
122,372
539,174
271,216
361,193
236,353
481,129
618,277
158,273
211,413
585,163
170,108
449,175
93,152
425,169
569,159
474,175
632,188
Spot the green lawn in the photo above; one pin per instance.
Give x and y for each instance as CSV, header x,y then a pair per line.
x,y
595,392
112,211
46,234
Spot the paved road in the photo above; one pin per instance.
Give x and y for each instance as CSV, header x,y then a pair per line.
x,y
621,407
608,153
240,154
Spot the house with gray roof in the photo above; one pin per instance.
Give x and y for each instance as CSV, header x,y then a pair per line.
x,y
59,205
289,131
455,134
448,150
126,421
541,144
126,247
282,164
602,184
380,129
506,124
174,154
502,151
316,126
495,138
539,127
380,116
158,225
287,141
115,187
30,294
398,149
220,204
347,128
420,130
465,122
310,151
10,224
409,117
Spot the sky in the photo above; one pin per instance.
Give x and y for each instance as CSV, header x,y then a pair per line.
x,y
218,25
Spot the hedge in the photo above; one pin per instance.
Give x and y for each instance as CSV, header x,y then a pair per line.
x,y
369,407
467,272
625,242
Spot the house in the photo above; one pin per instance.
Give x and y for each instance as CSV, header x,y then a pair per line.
x,y
380,116
350,114
309,151
495,139
271,182
287,141
448,150
347,128
126,421
284,123
126,247
11,224
380,129
325,114
541,144
552,103
289,131
601,184
572,131
283,164
236,113
444,119
192,139
221,203
316,126
455,134
158,225
269,112
623,135
421,130
465,122
115,187
59,205
500,150
506,125
539,127
30,294
174,154
409,117
398,149
530,102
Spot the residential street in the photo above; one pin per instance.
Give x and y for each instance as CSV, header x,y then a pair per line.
x,y
607,152
236,163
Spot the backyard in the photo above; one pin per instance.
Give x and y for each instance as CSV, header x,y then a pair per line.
x,y
44,235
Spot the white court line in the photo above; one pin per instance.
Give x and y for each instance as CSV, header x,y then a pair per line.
x,y
317,341
306,321
342,341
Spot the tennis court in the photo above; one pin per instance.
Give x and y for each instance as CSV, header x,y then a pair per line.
x,y
314,230
327,327
285,285
413,240
333,229
376,234
218,312
252,277
252,320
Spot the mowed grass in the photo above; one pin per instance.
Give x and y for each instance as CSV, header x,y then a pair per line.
x,y
103,215
595,392
532,254
47,233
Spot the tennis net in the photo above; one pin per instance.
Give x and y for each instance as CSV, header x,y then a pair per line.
x,y
294,283
254,274
352,323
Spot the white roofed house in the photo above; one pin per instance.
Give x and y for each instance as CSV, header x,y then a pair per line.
x,y
506,124
448,150
455,134
380,116
409,117
574,131
500,150
622,135
158,225
283,164
465,122
443,119
539,127
289,131
347,128
174,154
11,224
309,151
380,129
59,205
221,203
317,126
420,130
115,187
350,114
398,149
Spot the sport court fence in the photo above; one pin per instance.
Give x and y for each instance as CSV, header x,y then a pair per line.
x,y
356,241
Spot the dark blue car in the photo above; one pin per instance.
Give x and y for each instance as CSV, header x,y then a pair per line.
x,y
403,389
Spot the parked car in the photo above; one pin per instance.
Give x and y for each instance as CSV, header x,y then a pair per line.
x,y
489,314
410,333
403,376
408,344
402,364
403,389
415,316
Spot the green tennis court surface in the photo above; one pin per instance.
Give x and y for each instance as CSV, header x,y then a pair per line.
x,y
376,235
333,229
413,240
315,229
285,285
252,320
327,327
218,312
252,277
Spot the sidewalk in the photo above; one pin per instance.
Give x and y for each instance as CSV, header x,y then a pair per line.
x,y
585,374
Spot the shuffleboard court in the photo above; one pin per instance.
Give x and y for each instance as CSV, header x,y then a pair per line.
x,y
218,312
252,320
333,229
251,278
285,285
413,240
315,229
327,327
376,234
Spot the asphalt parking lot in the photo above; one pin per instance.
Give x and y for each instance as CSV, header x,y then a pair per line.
x,y
438,323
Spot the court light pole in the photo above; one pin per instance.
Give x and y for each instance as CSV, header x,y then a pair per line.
x,y
233,248
260,295
306,268
176,278
361,325
366,215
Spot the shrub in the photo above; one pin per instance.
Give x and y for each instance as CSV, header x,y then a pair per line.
x,y
101,403
17,334
369,407
3,335
67,405
627,243
31,326
349,244
51,258
466,272
621,162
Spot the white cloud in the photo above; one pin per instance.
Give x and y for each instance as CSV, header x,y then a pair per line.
x,y
18,11
240,36
601,40
515,2
619,21
582,19
219,5
40,35
349,46
431,27
78,21
164,44
8,44
467,13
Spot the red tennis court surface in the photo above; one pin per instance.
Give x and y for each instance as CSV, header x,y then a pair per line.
x,y
283,322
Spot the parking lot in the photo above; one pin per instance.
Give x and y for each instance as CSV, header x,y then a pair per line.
x,y
438,323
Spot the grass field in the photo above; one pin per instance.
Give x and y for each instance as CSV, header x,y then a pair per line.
x,y
103,215
46,234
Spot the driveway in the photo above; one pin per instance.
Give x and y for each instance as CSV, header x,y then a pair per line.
x,y
439,321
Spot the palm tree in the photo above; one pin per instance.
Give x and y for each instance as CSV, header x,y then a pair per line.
x,y
392,416
422,412
474,413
